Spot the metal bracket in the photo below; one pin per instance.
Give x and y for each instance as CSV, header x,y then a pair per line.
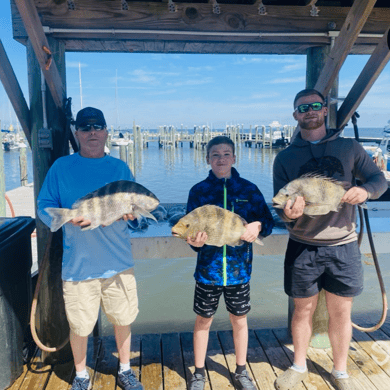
x,y
314,10
125,6
71,5
216,8
262,9
45,138
172,7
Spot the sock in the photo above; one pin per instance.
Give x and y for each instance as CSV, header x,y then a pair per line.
x,y
339,374
299,368
200,371
240,369
82,374
124,367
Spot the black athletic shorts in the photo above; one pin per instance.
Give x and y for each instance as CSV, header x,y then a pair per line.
x,y
206,299
308,269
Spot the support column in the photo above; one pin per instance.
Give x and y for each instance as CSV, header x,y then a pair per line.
x,y
316,58
52,326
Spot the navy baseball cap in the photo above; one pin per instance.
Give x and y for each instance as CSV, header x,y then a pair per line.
x,y
90,115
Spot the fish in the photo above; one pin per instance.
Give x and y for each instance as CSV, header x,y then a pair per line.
x,y
107,204
322,194
223,227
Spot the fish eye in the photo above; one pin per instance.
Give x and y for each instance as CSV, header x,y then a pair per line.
x,y
188,225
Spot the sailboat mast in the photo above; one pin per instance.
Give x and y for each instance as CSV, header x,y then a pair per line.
x,y
81,88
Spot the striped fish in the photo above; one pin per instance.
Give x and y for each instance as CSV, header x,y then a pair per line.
x,y
107,204
222,226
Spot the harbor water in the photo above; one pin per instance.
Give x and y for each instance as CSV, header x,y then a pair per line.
x,y
166,286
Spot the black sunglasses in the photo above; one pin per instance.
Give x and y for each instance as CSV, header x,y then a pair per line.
x,y
305,107
89,127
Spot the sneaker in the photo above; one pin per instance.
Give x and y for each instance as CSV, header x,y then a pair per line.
x,y
243,381
81,383
289,379
197,382
342,383
128,381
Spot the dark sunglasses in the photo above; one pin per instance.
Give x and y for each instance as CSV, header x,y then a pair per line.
x,y
305,107
89,127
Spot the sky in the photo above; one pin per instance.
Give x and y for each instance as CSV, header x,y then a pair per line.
x,y
184,90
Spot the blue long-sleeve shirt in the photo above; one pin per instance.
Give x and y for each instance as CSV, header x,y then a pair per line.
x,y
99,253
244,199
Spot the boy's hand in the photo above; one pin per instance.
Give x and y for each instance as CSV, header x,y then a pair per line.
x,y
126,217
296,210
80,221
199,240
252,231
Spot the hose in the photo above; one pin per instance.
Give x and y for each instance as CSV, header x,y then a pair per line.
x,y
373,251
35,300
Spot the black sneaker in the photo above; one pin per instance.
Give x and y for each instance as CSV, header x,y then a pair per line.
x,y
128,381
243,381
81,383
197,382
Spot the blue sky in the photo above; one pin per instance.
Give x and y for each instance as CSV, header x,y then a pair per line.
x,y
190,89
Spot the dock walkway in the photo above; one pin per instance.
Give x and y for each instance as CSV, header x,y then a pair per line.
x,y
165,362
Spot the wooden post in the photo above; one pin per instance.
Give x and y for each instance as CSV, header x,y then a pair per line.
x,y
316,58
23,166
122,152
53,325
2,179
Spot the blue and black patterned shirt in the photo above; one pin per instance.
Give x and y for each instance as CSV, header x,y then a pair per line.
x,y
244,199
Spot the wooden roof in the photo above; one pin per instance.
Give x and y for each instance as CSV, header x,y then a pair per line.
x,y
204,26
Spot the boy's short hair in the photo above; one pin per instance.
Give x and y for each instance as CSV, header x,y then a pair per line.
x,y
219,140
308,92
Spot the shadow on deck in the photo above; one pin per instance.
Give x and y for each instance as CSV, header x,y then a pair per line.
x,y
166,361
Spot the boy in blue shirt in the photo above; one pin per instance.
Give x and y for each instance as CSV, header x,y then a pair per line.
x,y
227,269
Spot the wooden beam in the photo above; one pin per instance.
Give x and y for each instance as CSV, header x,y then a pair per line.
x,y
352,26
34,29
14,92
365,81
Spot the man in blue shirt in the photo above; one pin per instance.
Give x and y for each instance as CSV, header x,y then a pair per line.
x,y
97,265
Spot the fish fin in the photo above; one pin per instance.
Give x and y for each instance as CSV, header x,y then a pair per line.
x,y
140,212
258,242
59,217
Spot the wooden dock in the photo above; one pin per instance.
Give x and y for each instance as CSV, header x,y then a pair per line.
x,y
165,362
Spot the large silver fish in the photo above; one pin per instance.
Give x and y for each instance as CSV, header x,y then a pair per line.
x,y
322,194
107,204
222,226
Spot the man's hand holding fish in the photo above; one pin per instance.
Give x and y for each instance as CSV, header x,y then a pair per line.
x,y
355,195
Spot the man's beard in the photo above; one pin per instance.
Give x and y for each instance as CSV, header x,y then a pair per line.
x,y
312,124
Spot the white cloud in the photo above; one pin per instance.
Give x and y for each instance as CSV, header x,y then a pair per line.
x,y
288,80
200,81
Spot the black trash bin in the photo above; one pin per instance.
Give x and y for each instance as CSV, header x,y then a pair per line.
x,y
15,294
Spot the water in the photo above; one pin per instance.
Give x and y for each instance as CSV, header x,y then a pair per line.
x,y
165,286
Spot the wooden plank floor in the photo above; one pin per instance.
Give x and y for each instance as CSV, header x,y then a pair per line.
x,y
165,362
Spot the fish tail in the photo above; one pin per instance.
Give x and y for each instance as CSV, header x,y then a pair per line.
x,y
258,242
59,217
139,212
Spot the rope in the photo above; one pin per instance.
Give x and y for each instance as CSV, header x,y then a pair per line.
x,y
35,300
373,251
10,206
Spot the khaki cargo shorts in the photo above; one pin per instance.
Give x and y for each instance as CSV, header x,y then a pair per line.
x,y
117,296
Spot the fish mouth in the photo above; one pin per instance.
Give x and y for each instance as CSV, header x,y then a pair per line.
x,y
175,234
277,206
